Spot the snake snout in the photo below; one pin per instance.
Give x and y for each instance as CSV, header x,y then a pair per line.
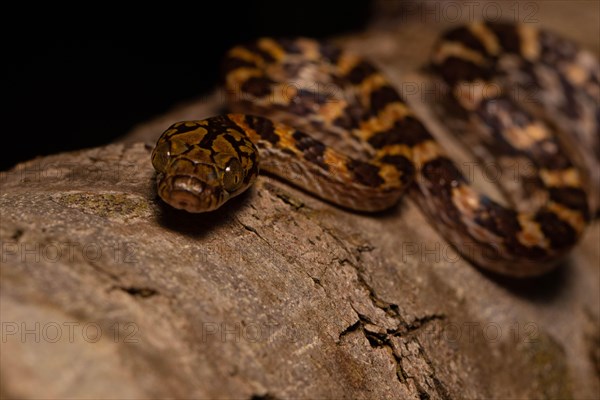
x,y
189,194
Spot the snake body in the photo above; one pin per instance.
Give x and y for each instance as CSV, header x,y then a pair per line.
x,y
282,88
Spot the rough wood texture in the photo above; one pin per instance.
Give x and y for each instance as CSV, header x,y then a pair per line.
x,y
106,293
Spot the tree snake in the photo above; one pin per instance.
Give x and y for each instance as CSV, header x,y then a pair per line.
x,y
279,89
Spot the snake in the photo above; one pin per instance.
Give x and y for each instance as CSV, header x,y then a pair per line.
x,y
329,122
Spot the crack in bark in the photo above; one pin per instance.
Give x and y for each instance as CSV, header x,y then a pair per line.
x,y
417,324
296,204
391,309
383,338
266,396
137,291
251,229
316,281
439,386
365,248
352,328
110,275
16,235
377,338
284,196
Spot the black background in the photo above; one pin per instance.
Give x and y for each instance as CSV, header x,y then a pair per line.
x,y
82,77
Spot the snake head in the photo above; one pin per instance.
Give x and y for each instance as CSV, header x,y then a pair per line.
x,y
200,187
199,178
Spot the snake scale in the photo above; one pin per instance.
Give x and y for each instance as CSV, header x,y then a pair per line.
x,y
293,100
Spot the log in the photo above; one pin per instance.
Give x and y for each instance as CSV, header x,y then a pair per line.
x,y
108,293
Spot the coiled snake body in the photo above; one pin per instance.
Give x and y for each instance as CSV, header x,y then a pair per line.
x,y
309,86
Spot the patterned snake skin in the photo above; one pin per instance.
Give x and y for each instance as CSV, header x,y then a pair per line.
x,y
284,88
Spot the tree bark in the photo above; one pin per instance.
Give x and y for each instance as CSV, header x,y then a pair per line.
x,y
108,293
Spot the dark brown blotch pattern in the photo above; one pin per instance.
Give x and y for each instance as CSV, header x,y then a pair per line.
x,y
312,149
264,127
454,69
360,72
365,173
258,86
507,35
441,172
560,234
381,97
408,131
464,35
571,197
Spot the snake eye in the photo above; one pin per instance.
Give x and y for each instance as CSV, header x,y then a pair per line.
x,y
232,178
160,157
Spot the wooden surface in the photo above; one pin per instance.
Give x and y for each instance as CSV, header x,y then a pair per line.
x,y
107,293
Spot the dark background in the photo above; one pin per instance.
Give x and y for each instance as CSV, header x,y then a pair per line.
x,y
82,77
